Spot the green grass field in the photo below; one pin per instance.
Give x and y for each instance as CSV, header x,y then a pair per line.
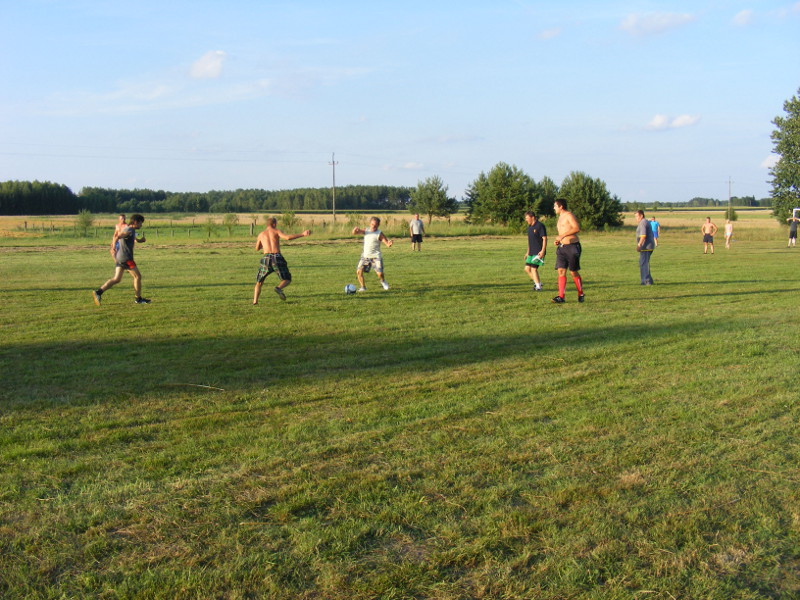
x,y
458,436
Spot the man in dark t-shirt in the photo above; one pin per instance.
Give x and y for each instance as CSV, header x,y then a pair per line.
x,y
537,248
793,221
124,258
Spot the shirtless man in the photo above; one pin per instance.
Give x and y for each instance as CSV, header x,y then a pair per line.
x,y
269,244
728,233
708,229
568,250
118,229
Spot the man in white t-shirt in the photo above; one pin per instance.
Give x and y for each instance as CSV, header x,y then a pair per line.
x,y
417,228
371,256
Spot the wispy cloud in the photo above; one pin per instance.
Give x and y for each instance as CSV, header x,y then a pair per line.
x,y
208,66
743,18
549,34
663,122
647,24
769,162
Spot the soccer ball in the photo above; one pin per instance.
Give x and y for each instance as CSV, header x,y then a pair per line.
x,y
349,289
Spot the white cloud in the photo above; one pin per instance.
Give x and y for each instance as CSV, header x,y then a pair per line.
x,y
549,34
208,66
684,121
743,18
662,122
654,23
769,162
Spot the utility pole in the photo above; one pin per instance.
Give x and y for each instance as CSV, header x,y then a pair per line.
x,y
333,164
730,212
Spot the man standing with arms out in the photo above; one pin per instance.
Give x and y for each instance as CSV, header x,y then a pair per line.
x,y
417,228
645,244
537,248
728,233
568,250
708,229
793,221
269,243
371,256
124,258
656,227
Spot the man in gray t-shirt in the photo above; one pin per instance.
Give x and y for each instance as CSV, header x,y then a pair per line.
x,y
645,244
416,228
124,257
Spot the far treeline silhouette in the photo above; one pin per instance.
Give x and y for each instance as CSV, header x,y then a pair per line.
x,y
45,198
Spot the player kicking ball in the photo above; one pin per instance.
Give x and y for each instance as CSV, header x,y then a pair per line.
x,y
124,258
371,255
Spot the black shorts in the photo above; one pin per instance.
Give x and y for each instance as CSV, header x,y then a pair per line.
x,y
270,263
568,256
416,238
708,239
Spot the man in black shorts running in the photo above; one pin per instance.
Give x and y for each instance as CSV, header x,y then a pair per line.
x,y
269,243
568,251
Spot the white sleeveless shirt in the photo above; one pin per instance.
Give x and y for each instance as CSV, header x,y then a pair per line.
x,y
372,244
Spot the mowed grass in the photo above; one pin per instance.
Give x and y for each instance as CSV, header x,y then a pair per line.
x,y
458,436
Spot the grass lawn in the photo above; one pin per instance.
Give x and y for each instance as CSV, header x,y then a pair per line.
x,y
458,436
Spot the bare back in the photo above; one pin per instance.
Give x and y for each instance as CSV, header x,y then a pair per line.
x,y
269,241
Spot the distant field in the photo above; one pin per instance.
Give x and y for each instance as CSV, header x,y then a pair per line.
x,y
456,437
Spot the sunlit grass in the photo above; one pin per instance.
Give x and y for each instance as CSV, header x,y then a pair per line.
x,y
456,437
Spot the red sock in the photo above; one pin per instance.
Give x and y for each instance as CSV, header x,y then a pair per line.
x,y
578,283
562,285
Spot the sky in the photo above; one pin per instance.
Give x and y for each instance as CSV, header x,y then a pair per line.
x,y
662,100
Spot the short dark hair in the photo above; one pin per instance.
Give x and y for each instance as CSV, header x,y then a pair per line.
x,y
562,202
376,219
272,221
136,218
530,213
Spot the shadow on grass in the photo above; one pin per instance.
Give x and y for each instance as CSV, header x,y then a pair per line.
x,y
112,371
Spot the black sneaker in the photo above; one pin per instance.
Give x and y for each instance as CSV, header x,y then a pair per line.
x,y
280,293
141,300
96,297
558,300
580,298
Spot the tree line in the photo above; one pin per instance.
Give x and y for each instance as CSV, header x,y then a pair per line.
x,y
45,198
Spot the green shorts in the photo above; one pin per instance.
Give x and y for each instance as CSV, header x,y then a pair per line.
x,y
534,261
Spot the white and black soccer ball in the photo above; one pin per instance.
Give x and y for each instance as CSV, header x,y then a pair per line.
x,y
349,289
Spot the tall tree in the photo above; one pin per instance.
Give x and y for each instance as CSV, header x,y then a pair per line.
x,y
502,196
786,171
589,200
430,198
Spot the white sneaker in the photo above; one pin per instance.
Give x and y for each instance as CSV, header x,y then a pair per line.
x,y
384,284
361,289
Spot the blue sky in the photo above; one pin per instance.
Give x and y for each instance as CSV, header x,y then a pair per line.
x,y
664,101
